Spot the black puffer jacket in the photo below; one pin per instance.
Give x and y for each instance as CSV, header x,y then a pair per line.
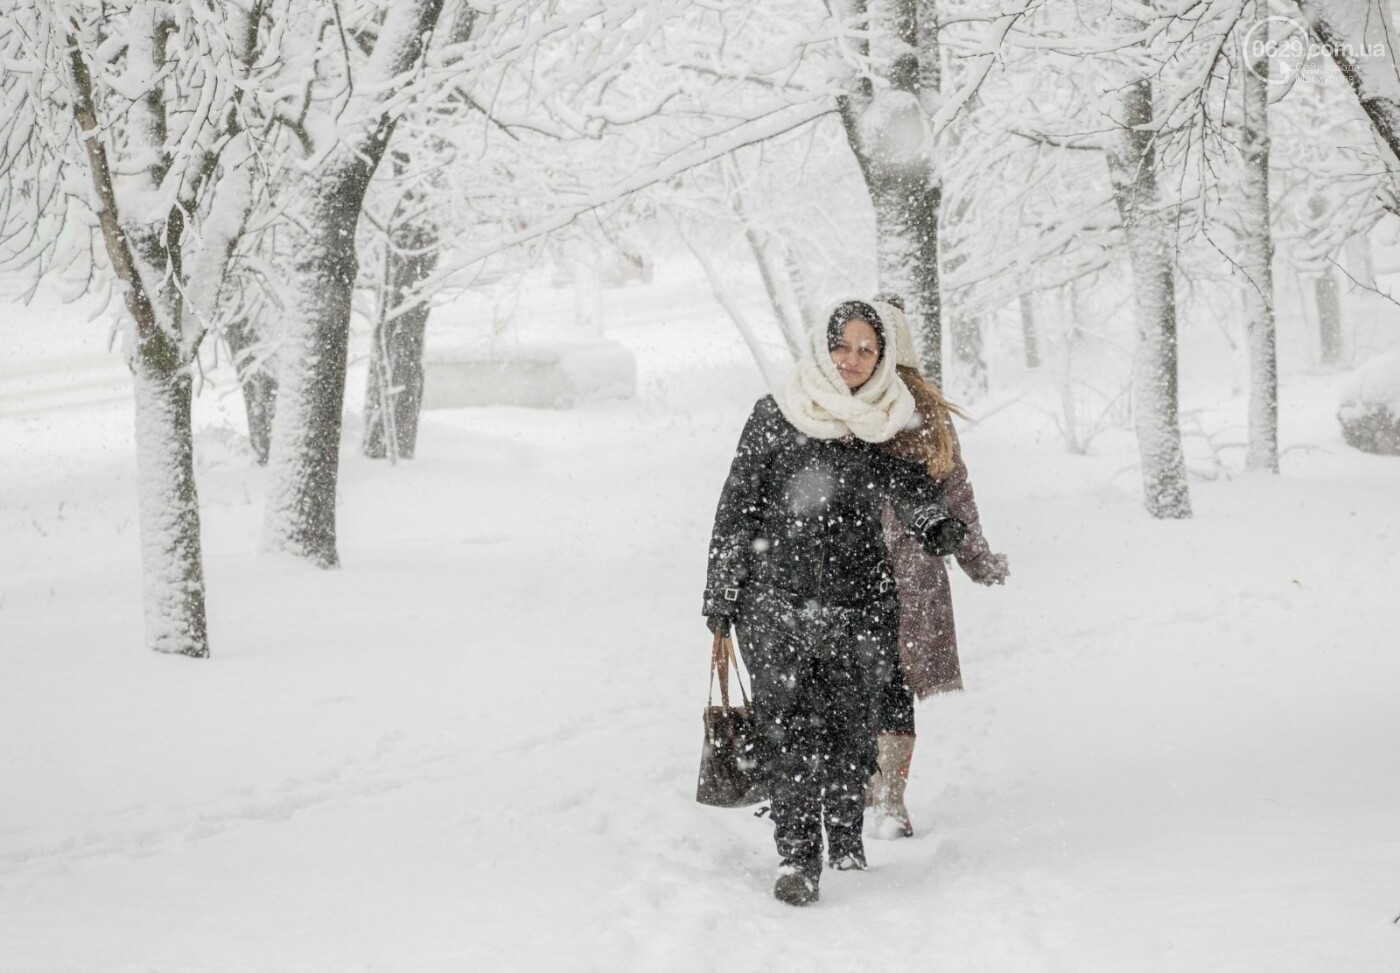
x,y
802,515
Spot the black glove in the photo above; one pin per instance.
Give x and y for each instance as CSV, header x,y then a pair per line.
x,y
941,534
719,624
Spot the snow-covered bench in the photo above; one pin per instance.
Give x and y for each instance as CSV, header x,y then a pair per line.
x,y
538,375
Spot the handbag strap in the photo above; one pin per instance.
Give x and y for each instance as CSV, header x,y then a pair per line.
x,y
719,663
734,661
722,656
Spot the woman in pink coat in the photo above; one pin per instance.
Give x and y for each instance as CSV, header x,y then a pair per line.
x,y
928,645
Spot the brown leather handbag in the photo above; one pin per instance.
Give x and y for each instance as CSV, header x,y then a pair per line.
x,y
731,774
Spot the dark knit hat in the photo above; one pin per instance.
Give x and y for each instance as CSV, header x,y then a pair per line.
x,y
850,311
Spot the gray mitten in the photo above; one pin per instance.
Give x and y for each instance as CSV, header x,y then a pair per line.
x,y
990,570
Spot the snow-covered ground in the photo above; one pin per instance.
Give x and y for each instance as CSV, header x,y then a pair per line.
x,y
474,747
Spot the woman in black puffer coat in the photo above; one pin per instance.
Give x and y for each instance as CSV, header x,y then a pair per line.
x,y
798,561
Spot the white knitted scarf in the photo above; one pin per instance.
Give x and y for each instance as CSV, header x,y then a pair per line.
x,y
815,399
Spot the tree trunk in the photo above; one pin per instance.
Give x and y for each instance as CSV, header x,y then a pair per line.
x,y
792,335
325,205
588,289
172,565
171,558
806,302
1329,317
970,356
761,246
906,227
1069,380
1150,251
897,165
394,397
725,299
1256,260
305,454
396,354
1029,340
259,385
173,572
1357,254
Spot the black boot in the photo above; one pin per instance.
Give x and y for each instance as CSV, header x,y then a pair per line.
x,y
844,853
850,861
845,815
797,886
797,833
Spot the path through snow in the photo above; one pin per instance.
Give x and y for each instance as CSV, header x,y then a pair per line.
x,y
474,747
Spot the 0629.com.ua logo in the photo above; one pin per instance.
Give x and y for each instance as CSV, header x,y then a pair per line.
x,y
1281,50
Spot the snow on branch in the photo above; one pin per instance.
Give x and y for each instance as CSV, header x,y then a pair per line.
x,y
714,145
1360,38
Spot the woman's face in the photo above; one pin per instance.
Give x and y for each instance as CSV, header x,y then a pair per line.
x,y
857,353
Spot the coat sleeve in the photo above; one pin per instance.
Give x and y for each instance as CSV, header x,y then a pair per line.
x,y
918,503
974,554
739,516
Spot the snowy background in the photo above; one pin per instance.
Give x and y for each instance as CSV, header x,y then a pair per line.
x,y
474,747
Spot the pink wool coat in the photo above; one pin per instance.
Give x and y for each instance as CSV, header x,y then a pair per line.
x,y
928,641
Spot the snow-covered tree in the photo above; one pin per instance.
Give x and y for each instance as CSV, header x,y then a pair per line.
x,y
1135,168
344,76
892,82
1256,238
566,119
409,235
1361,39
125,156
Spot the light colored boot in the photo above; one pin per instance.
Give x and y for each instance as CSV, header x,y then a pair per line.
x,y
890,816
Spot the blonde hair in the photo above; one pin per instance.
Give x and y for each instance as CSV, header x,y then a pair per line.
x,y
932,441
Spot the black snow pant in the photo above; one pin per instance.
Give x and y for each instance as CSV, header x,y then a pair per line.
x,y
817,672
